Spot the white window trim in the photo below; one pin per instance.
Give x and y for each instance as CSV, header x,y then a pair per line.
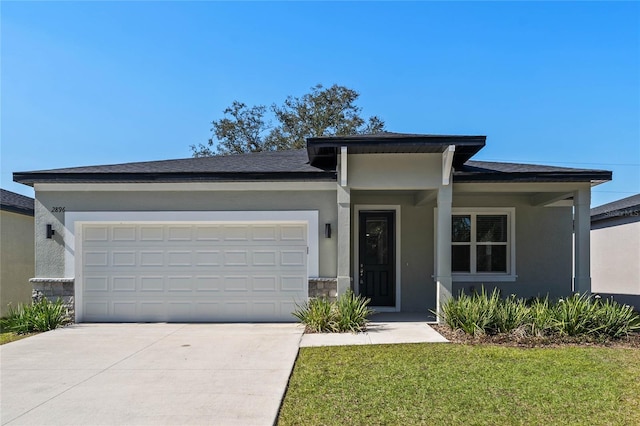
x,y
510,275
356,248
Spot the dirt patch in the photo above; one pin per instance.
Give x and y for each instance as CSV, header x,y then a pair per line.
x,y
518,340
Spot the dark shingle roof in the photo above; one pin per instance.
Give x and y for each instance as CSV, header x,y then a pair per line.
x,y
323,150
10,201
629,206
290,165
488,171
271,165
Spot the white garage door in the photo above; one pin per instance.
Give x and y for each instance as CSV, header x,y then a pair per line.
x,y
193,272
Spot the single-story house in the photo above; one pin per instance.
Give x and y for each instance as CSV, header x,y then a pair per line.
x,y
17,258
406,220
615,250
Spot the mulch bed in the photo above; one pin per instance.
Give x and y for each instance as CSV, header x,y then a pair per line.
x,y
513,339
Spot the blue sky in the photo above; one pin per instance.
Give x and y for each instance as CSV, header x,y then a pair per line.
x,y
87,83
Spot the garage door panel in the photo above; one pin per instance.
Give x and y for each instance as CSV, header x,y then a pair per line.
x,y
127,284
96,310
264,258
124,233
96,233
179,233
152,284
208,258
265,283
92,284
235,233
293,283
236,258
151,233
193,272
180,284
128,310
293,233
179,258
96,258
123,258
208,283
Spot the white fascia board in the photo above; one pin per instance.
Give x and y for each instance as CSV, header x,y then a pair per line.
x,y
343,166
189,186
447,163
517,187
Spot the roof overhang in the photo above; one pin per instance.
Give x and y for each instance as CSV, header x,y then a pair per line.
x,y
323,151
595,177
31,178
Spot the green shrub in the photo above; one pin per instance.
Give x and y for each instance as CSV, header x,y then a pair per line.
x,y
475,314
39,316
316,314
616,320
578,315
510,314
348,313
351,312
540,321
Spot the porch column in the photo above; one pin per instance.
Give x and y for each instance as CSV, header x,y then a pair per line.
x,y
344,232
443,238
582,240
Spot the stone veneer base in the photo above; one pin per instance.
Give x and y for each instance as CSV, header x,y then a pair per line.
x,y
63,288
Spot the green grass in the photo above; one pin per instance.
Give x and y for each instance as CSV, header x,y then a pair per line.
x,y
449,384
11,337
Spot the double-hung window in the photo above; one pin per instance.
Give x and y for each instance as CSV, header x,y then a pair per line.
x,y
482,244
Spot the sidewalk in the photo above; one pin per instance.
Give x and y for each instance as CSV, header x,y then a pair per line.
x,y
383,329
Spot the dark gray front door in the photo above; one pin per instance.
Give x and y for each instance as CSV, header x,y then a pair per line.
x,y
377,257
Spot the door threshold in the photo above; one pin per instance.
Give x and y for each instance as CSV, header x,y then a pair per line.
x,y
384,308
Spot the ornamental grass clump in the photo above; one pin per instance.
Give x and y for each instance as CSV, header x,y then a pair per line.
x,y
617,320
347,314
474,314
39,316
575,316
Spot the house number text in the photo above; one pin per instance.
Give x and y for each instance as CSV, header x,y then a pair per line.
x,y
58,209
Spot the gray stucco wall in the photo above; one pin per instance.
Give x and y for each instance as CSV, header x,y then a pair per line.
x,y
50,253
544,247
543,234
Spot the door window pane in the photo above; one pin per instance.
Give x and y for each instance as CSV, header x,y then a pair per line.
x,y
492,258
376,248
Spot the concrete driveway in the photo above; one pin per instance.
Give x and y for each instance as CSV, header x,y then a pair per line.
x,y
148,374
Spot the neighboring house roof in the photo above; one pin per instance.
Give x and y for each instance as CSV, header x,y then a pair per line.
x,y
624,208
316,163
16,203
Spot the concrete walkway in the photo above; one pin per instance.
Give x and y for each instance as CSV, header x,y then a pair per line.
x,y
167,374
383,329
148,374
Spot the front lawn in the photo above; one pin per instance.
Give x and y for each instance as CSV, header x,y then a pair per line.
x,y
11,337
451,384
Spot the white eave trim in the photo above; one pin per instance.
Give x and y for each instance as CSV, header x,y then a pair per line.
x,y
189,186
343,166
447,163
